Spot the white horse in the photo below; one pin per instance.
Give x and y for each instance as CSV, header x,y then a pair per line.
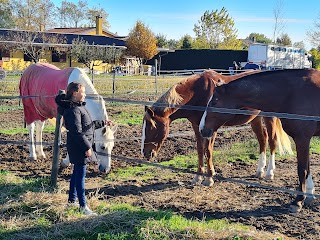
x,y
39,85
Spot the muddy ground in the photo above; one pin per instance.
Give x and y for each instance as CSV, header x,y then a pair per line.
x,y
264,209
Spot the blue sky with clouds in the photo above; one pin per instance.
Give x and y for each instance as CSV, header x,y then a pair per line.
x,y
174,19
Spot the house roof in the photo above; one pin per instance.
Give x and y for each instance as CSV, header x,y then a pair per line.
x,y
83,31
96,39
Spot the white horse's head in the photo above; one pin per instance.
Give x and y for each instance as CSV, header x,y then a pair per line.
x,y
104,142
104,137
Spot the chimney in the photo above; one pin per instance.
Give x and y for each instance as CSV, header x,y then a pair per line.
x,y
98,25
41,27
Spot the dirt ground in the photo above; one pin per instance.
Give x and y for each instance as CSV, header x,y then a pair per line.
x,y
262,208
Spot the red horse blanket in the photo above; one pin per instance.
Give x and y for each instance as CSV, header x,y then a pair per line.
x,y
39,85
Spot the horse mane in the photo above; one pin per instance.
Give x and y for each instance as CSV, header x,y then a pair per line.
x,y
169,97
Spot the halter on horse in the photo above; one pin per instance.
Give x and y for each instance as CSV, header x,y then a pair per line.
x,y
196,91
39,85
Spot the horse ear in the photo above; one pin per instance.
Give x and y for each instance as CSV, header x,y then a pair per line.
x,y
220,82
149,111
114,128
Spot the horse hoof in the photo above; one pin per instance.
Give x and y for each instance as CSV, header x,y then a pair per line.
x,y
32,158
295,208
309,200
259,174
208,182
197,180
269,177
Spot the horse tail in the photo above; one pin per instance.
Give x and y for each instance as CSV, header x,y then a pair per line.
x,y
283,139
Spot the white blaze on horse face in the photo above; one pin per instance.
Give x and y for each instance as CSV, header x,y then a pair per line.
x,y
203,119
143,137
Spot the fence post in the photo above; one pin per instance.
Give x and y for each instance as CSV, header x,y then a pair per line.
x,y
56,149
114,83
156,74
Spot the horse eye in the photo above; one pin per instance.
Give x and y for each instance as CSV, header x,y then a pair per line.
x,y
103,147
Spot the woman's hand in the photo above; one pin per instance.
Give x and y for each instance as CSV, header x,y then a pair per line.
x,y
88,153
108,123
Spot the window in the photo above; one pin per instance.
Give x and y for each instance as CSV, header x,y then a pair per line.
x,y
58,57
5,55
27,58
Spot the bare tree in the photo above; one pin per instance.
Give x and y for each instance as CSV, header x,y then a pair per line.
x,y
314,34
279,23
33,44
71,14
93,13
33,15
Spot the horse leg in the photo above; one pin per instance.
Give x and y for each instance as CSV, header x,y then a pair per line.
x,y
261,133
271,129
310,190
32,149
302,147
198,178
208,145
39,130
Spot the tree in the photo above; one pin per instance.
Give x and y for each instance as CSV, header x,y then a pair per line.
x,y
217,28
314,34
284,40
315,53
161,40
259,38
71,15
299,45
32,15
92,13
173,44
33,44
279,24
92,55
6,17
186,42
141,42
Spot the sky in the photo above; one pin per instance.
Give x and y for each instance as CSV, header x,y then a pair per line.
x,y
174,19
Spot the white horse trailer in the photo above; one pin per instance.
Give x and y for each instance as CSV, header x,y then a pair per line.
x,y
270,56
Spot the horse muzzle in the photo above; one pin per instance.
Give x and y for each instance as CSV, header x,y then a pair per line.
x,y
105,170
206,132
150,154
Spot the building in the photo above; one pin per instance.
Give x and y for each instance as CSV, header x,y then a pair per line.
x,y
16,60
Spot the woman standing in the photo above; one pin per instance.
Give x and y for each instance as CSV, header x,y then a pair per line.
x,y
80,137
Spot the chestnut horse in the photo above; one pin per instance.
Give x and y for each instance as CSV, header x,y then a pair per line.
x,y
295,92
196,91
39,85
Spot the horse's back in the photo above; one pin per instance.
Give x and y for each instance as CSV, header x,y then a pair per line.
x,y
39,84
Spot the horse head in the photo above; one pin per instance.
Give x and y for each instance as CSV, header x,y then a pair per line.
x,y
155,131
104,143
